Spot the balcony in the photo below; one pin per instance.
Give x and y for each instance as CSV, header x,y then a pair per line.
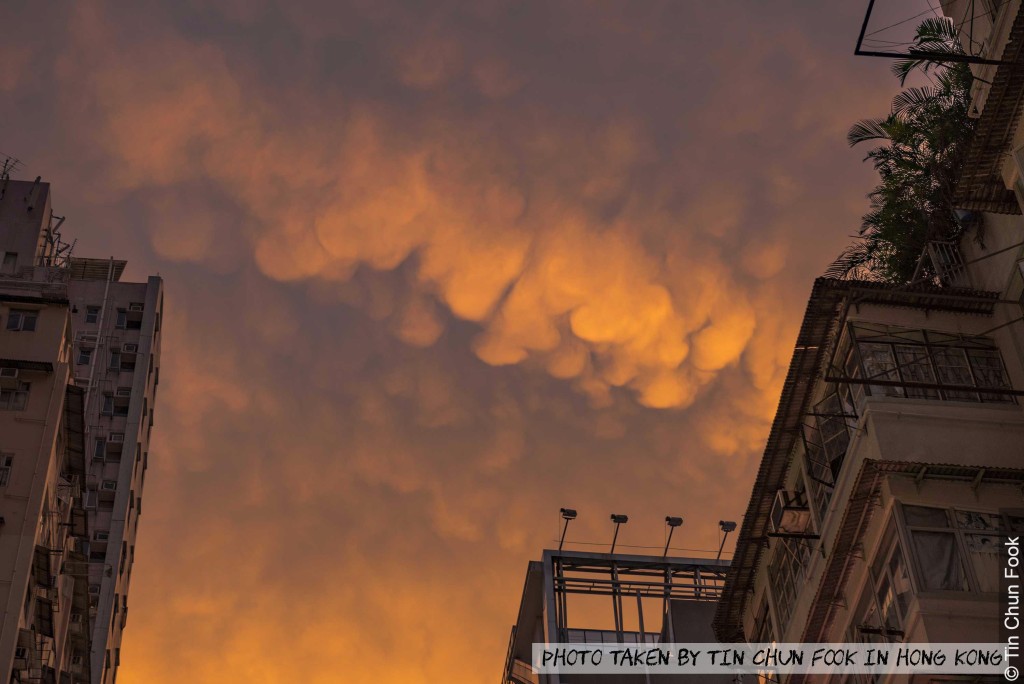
x,y
941,264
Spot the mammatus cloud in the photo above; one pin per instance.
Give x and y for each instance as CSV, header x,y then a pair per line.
x,y
433,272
512,231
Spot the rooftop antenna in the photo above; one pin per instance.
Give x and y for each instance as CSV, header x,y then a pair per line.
x,y
56,252
567,515
672,523
726,526
8,165
618,520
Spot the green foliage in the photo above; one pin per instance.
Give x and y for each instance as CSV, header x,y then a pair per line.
x,y
925,139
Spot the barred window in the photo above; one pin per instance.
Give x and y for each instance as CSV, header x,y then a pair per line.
x,y
923,364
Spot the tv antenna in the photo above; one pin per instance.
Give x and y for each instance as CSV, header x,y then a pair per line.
x,y
8,165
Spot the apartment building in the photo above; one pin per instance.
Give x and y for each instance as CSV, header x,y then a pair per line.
x,y
894,468
82,347
895,464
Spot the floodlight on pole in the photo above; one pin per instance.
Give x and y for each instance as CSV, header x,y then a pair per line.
x,y
618,519
567,515
673,523
726,526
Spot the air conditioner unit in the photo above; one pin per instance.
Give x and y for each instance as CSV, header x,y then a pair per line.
x,y
94,589
135,307
100,535
123,392
87,338
130,349
115,438
9,377
109,485
791,515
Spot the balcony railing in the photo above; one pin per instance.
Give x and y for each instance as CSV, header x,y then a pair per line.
x,y
941,264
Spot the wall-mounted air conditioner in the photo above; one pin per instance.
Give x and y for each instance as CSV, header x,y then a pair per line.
x,y
135,307
129,349
9,377
115,438
791,515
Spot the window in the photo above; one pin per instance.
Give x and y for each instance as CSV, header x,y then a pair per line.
x,y
101,449
23,320
940,567
114,406
982,539
122,319
924,364
6,464
763,632
14,399
819,474
115,360
955,550
10,262
880,364
785,573
92,314
44,617
884,602
84,356
832,415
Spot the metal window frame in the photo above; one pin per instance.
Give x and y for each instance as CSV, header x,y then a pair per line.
x,y
963,551
923,54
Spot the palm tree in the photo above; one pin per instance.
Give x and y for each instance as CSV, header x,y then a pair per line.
x,y
925,138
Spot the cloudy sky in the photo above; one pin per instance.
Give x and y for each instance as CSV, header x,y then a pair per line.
x,y
434,270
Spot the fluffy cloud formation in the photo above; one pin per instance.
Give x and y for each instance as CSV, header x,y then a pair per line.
x,y
434,271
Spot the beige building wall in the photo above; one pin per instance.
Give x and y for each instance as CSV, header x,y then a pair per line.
x,y
120,324
955,462
74,323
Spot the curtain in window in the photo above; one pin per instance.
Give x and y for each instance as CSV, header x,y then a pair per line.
x,y
939,562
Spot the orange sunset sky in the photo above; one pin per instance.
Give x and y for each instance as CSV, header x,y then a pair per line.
x,y
434,270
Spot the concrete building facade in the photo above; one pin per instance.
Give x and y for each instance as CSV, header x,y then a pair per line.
x,y
79,358
894,468
892,473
